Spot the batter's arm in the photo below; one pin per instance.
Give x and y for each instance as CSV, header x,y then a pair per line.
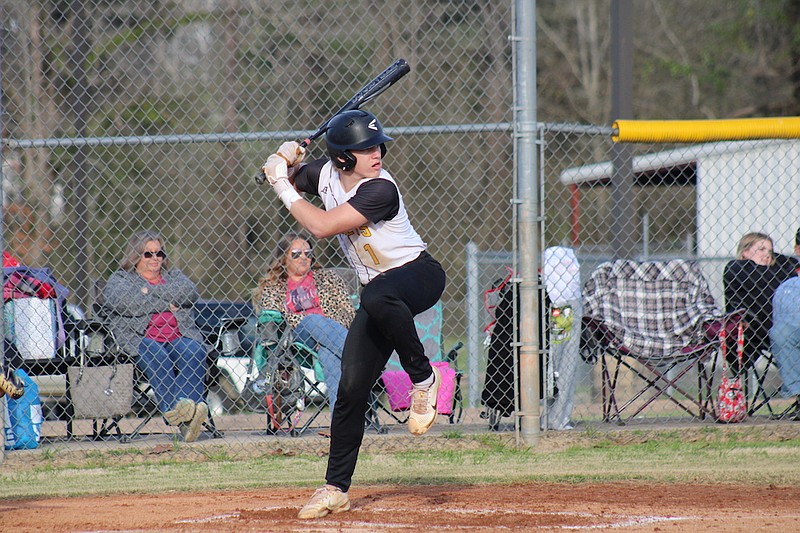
x,y
322,224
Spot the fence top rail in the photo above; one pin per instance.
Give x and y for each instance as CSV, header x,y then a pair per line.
x,y
582,129
189,138
255,136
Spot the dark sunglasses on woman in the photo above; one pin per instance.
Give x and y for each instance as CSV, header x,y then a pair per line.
x,y
297,253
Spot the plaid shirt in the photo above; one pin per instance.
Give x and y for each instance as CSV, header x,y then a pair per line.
x,y
654,308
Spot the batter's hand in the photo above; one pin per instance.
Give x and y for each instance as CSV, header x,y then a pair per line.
x,y
276,172
276,169
292,152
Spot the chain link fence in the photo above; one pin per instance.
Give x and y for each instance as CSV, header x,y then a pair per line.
x,y
712,205
125,116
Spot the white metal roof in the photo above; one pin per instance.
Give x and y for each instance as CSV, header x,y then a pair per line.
x,y
672,158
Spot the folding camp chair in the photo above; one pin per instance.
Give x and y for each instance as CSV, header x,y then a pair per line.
x,y
284,378
47,339
215,335
658,320
499,388
756,386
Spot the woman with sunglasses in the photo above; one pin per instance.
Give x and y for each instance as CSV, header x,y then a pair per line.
x,y
149,307
313,300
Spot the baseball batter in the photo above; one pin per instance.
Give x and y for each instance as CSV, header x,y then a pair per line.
x,y
365,211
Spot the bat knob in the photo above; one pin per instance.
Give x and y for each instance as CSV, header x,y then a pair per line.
x,y
261,178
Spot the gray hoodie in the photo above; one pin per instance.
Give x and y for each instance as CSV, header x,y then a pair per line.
x,y
129,310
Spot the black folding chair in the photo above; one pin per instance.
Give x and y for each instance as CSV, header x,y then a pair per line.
x,y
215,336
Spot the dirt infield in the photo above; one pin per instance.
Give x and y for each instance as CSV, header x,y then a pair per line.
x,y
529,507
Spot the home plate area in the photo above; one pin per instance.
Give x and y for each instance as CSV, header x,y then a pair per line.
x,y
375,519
623,506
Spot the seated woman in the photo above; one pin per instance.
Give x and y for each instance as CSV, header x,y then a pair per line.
x,y
785,337
750,281
314,302
150,311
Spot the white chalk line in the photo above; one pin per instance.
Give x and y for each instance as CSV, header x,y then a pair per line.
x,y
209,519
621,520
618,521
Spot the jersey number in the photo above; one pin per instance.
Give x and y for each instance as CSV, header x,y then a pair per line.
x,y
368,249
365,232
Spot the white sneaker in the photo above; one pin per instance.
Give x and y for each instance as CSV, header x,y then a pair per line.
x,y
328,499
181,413
423,406
192,429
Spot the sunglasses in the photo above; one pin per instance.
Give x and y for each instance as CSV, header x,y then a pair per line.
x,y
149,255
297,253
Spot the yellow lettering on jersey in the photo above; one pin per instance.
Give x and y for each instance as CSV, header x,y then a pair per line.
x,y
368,249
362,230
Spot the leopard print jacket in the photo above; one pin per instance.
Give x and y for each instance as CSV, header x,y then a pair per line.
x,y
333,298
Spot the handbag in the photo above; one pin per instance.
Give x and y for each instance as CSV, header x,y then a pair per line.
x,y
101,391
731,401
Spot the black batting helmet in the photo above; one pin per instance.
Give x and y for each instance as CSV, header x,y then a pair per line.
x,y
353,130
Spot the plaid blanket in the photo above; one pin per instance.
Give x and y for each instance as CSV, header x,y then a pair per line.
x,y
654,308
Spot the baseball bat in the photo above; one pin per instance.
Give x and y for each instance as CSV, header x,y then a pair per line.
x,y
377,86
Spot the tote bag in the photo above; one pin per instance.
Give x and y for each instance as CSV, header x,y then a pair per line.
x,y
731,401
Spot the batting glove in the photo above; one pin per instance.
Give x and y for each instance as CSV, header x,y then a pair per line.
x,y
275,169
292,152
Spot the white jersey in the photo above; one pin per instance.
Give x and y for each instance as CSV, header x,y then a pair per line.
x,y
377,246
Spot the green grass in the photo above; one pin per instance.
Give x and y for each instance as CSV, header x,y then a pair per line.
x,y
707,456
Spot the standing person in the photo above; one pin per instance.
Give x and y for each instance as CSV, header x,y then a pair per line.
x,y
561,273
749,283
365,210
314,302
150,311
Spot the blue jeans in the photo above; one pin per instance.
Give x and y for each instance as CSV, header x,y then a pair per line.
x,y
174,369
326,336
785,338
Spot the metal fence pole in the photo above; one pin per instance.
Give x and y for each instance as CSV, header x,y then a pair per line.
x,y
528,221
622,192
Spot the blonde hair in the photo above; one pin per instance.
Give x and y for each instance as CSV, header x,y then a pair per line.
x,y
749,239
276,265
